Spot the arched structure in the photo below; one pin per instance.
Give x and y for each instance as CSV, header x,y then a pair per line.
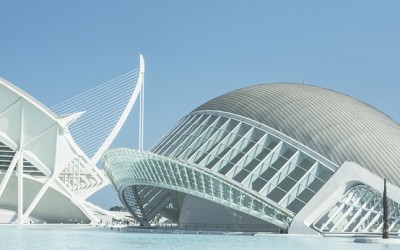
x,y
44,173
274,156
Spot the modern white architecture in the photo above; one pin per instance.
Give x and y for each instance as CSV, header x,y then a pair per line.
x,y
48,156
273,157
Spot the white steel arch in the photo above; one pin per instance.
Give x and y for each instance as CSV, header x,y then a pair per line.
x,y
103,110
114,132
146,168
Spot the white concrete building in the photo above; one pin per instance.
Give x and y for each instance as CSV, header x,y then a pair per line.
x,y
271,157
48,156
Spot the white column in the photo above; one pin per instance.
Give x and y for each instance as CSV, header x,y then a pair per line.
x,y
141,114
79,176
70,175
73,176
37,198
20,187
65,177
20,170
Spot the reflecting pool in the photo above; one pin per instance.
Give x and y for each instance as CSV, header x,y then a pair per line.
x,y
89,237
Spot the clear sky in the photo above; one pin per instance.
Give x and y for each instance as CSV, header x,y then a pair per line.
x,y
197,50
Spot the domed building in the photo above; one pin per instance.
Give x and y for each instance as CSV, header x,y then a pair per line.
x,y
278,157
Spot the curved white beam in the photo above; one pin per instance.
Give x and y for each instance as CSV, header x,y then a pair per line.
x,y
128,167
28,98
114,132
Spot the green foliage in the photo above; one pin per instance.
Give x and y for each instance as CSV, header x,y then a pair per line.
x,y
117,208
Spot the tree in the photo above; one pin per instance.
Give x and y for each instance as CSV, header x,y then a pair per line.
x,y
117,208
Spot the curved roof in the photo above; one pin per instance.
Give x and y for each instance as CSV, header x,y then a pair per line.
x,y
28,98
335,125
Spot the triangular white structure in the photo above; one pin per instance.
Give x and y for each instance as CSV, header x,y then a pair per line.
x,y
48,160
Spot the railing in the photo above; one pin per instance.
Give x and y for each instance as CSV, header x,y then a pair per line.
x,y
223,227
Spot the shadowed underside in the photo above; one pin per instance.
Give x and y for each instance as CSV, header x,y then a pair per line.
x,y
278,153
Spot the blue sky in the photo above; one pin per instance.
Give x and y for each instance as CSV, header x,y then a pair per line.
x,y
197,50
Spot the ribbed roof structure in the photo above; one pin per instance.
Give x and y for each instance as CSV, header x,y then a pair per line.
x,y
335,125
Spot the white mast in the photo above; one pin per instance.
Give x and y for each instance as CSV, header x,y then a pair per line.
x,y
141,111
139,90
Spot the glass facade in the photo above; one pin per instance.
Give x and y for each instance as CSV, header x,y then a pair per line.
x,y
224,159
287,152
248,155
146,170
360,210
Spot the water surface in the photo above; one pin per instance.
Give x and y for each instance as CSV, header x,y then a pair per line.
x,y
88,237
